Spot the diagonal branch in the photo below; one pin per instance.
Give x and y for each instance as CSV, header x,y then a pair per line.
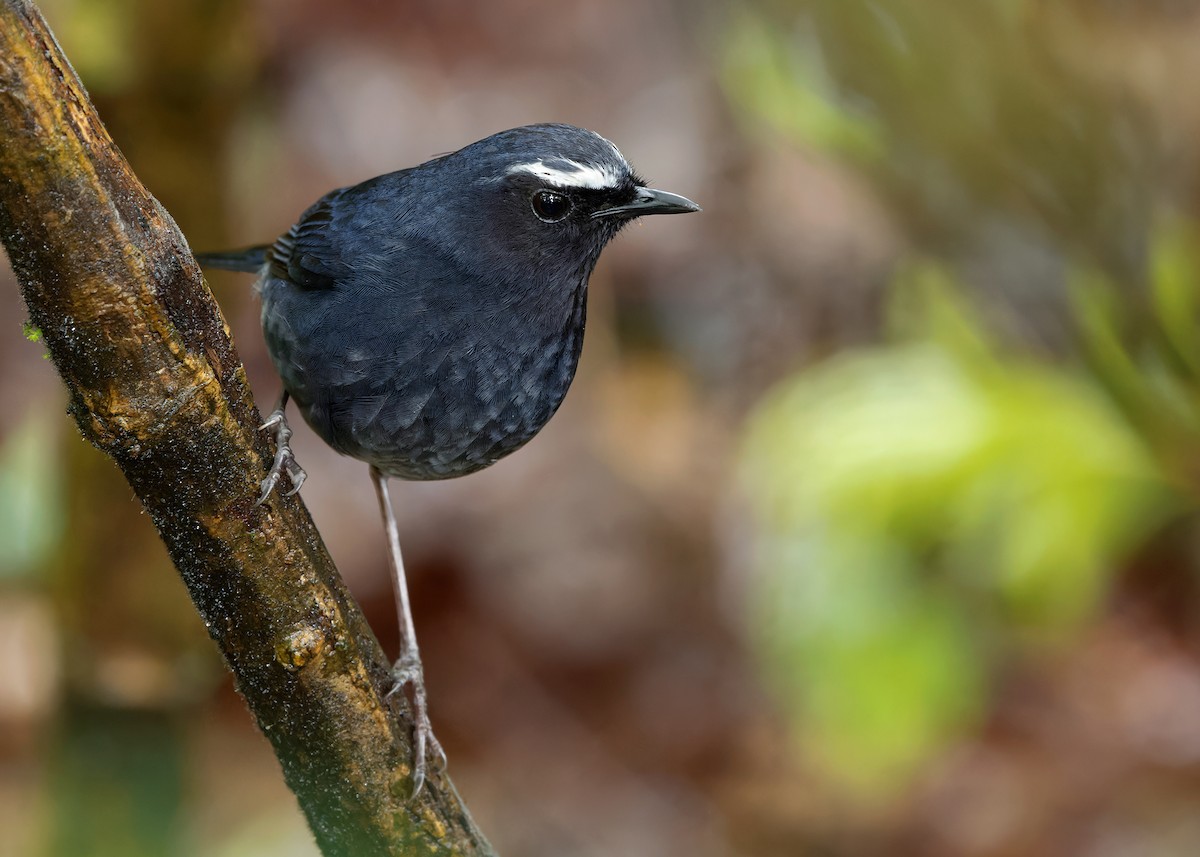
x,y
156,383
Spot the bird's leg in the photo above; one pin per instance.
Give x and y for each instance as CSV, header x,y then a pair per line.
x,y
285,461
407,670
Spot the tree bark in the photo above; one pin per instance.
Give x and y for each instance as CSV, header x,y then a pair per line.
x,y
156,383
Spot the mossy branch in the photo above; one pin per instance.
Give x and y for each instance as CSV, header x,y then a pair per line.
x,y
156,383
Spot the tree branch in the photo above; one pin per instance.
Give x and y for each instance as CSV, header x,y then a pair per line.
x,y
156,383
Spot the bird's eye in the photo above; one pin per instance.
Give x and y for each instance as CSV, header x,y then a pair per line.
x,y
550,205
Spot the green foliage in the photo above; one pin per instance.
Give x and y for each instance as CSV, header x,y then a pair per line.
x,y
927,506
784,83
1175,274
1148,356
962,113
919,506
100,36
31,509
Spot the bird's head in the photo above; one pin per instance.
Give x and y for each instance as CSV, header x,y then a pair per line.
x,y
552,195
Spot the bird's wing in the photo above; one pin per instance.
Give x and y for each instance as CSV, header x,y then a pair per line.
x,y
309,254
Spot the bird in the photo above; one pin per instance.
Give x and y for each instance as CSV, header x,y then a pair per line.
x,y
429,321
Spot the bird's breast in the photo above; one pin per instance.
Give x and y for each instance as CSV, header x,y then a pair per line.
x,y
472,409
422,404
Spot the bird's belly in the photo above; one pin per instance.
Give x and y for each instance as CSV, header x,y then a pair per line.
x,y
459,417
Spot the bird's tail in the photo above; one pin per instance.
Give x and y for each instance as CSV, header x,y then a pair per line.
x,y
250,259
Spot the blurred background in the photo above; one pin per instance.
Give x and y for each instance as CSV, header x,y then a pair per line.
x,y
869,526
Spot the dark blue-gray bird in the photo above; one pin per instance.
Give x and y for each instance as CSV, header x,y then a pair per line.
x,y
429,321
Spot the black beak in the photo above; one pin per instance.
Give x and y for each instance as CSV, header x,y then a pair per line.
x,y
650,201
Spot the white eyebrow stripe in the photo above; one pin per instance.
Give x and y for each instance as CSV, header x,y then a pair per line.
x,y
580,175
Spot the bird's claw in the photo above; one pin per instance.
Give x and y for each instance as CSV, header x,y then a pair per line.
x,y
285,461
408,672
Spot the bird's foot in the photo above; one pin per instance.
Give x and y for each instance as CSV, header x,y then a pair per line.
x,y
408,672
285,461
